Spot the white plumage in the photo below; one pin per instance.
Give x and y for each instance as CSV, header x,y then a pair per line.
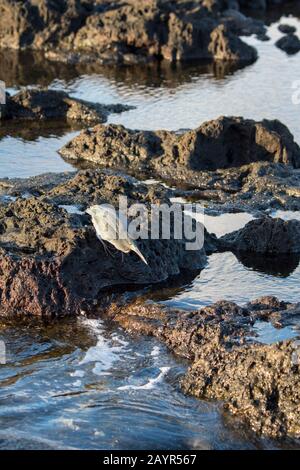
x,y
110,228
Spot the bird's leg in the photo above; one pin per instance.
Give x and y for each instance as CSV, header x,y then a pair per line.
x,y
106,249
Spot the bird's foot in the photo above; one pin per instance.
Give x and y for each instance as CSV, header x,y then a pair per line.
x,y
106,249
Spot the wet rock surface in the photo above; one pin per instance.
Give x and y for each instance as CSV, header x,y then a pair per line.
x,y
127,32
44,104
259,383
51,260
265,235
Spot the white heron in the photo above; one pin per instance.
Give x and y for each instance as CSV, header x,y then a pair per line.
x,y
110,228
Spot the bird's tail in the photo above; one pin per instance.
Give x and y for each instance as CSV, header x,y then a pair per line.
x,y
137,251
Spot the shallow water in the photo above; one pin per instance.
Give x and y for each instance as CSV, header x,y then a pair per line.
x,y
101,389
170,97
83,384
227,278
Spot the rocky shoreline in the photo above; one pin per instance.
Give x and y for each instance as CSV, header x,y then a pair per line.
x,y
231,163
257,383
124,32
46,238
131,32
41,104
52,264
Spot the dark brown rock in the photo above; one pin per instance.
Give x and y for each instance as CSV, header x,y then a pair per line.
x,y
222,143
117,31
210,164
40,23
263,186
261,4
265,235
259,383
41,104
51,262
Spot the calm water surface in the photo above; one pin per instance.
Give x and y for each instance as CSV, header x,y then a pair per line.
x,y
81,384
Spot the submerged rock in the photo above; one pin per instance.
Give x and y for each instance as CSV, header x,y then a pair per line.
x,y
259,383
118,31
265,235
41,104
51,261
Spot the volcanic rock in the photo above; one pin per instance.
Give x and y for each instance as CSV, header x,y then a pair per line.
x,y
289,44
118,31
258,383
265,235
42,104
287,29
222,143
51,261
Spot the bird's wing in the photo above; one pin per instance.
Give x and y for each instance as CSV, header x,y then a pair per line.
x,y
105,227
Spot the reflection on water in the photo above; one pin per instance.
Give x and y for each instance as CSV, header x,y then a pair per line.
x,y
23,158
286,215
23,68
274,265
32,130
226,277
276,13
225,223
166,96
266,333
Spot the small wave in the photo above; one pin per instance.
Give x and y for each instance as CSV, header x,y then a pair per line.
x,y
15,439
150,384
67,423
155,351
77,373
106,352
